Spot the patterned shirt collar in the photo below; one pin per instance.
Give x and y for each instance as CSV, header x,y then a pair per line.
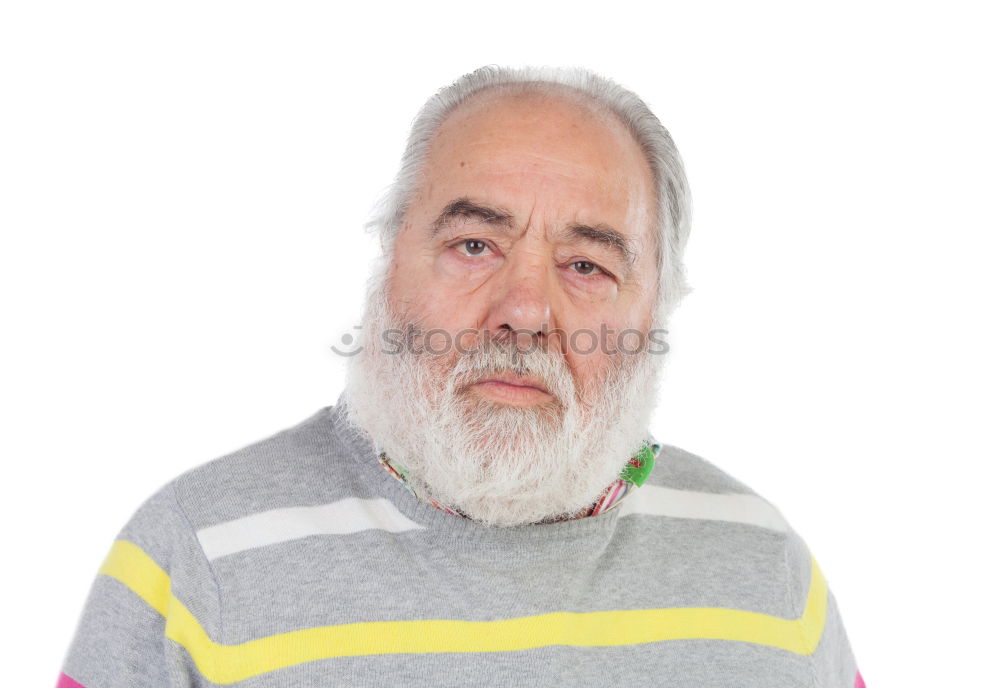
x,y
633,475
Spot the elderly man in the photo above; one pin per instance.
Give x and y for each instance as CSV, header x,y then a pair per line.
x,y
484,506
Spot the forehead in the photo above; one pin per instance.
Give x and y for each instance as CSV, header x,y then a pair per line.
x,y
544,154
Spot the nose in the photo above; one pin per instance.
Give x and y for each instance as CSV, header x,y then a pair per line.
x,y
522,301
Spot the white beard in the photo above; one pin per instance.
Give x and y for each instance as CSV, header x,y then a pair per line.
x,y
497,464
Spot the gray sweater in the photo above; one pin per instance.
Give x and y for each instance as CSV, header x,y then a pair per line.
x,y
299,561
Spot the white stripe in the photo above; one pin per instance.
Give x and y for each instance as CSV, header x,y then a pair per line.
x,y
342,517
654,500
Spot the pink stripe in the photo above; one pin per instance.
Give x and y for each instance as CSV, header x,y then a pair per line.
x,y
66,682
602,504
858,681
611,498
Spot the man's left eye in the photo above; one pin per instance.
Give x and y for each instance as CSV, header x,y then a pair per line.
x,y
584,267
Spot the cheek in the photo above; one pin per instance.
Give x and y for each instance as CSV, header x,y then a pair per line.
x,y
427,284
593,350
588,371
447,292
433,303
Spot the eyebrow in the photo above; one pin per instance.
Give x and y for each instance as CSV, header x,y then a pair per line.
x,y
466,208
600,233
603,234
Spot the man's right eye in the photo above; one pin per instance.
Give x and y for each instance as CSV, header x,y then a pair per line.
x,y
473,247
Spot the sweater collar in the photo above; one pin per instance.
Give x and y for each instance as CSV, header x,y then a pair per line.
x,y
634,474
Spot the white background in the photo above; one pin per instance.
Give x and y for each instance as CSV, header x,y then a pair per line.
x,y
182,190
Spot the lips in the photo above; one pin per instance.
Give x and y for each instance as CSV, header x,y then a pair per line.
x,y
517,380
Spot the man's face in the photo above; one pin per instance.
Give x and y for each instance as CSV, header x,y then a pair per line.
x,y
534,216
531,228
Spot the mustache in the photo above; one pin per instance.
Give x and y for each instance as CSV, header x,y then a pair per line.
x,y
502,356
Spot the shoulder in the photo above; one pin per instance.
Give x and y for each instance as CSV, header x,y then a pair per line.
x,y
689,487
725,517
692,492
307,463
160,547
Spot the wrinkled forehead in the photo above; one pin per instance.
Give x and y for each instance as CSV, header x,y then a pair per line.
x,y
569,152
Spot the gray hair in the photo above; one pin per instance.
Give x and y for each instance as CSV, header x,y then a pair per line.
x,y
673,211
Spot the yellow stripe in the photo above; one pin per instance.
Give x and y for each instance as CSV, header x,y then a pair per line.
x,y
230,663
133,567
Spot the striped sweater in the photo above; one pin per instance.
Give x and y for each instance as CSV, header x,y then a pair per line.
x,y
299,561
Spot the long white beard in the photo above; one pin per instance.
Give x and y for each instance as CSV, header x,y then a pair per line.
x,y
497,464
